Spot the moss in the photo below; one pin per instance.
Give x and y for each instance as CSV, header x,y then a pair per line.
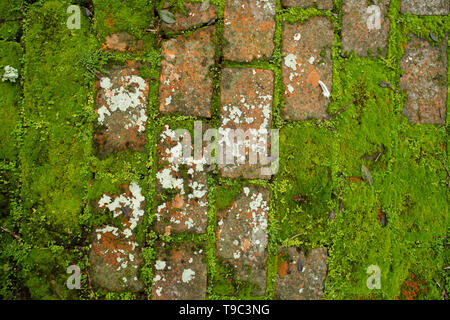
x,y
10,53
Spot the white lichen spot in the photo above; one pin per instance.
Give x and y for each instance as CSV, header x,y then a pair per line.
x,y
11,74
187,275
160,265
291,61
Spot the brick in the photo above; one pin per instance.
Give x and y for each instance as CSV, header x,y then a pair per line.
x,y
115,255
426,7
306,61
319,4
301,277
187,210
242,236
249,29
180,273
425,81
185,80
121,106
123,42
197,14
362,32
246,104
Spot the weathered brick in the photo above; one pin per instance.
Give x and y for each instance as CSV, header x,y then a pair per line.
x,y
187,210
185,81
115,254
426,7
320,4
307,60
242,236
123,42
197,14
301,277
425,81
121,105
246,99
365,29
249,29
180,272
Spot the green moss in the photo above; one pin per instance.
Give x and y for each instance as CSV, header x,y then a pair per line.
x,y
10,54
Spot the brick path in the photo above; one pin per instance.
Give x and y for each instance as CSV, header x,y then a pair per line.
x,y
246,102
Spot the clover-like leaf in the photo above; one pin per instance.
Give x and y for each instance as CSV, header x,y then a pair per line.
x,y
167,16
367,177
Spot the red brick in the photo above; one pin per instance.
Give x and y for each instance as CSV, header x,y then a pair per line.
x,y
249,29
121,105
246,99
320,4
187,210
242,236
115,255
357,36
197,14
426,7
425,81
180,272
304,284
306,60
185,81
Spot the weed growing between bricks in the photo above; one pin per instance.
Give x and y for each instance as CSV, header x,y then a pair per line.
x,y
323,213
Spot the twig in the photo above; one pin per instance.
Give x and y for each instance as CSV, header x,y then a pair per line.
x,y
91,71
13,234
90,287
344,108
341,206
11,19
292,238
21,5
